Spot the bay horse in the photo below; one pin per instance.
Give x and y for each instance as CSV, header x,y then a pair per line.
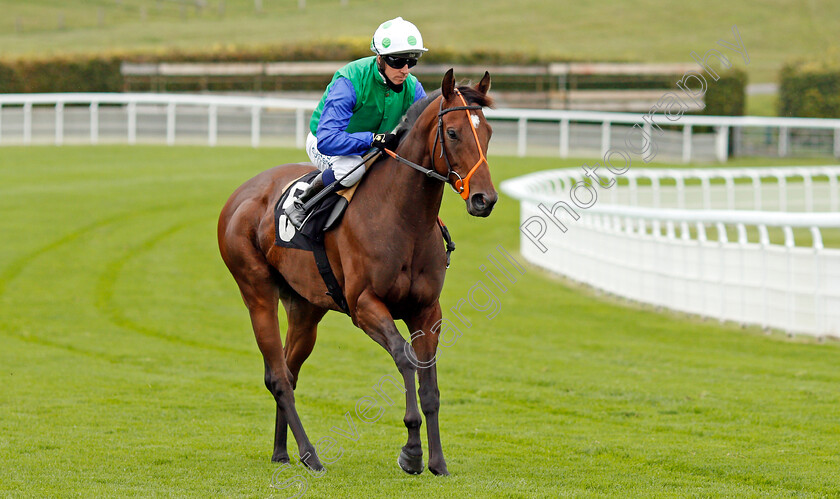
x,y
387,254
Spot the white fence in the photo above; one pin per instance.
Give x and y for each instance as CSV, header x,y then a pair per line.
x,y
674,144
794,188
133,118
214,119
714,261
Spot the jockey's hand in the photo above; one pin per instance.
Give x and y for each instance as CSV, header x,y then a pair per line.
x,y
384,141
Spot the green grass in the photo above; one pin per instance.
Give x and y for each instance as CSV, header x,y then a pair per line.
x,y
650,30
129,366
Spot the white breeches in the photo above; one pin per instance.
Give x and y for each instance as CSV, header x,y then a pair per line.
x,y
339,164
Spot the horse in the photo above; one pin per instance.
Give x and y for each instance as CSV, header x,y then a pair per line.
x,y
387,254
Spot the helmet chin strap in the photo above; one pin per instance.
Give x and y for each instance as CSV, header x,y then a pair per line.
x,y
393,86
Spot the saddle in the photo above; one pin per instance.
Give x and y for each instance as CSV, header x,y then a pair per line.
x,y
323,217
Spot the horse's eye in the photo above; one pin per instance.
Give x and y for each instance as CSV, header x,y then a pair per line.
x,y
452,135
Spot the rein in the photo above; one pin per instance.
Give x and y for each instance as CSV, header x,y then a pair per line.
x,y
427,171
462,184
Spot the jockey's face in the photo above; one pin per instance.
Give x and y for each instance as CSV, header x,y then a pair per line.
x,y
397,76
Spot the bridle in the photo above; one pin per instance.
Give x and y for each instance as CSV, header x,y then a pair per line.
x,y
462,184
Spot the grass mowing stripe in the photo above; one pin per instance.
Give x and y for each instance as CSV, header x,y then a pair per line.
x,y
13,270
36,340
108,278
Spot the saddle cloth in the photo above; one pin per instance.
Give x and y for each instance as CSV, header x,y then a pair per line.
x,y
323,217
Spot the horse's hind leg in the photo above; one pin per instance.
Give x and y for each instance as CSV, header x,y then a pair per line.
x,y
373,317
261,294
281,427
303,319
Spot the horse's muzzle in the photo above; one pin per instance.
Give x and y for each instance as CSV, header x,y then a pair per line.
x,y
481,204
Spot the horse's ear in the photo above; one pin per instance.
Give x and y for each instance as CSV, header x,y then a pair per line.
x,y
484,85
447,87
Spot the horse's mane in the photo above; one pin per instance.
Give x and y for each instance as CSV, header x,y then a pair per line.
x,y
471,95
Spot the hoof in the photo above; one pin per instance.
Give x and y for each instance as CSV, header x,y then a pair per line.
x,y
439,471
280,458
413,465
312,462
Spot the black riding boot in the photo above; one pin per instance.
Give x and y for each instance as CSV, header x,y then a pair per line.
x,y
296,212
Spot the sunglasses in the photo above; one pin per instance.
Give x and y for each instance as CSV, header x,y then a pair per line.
x,y
399,62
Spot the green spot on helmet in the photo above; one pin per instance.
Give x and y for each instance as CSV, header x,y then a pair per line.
x,y
398,37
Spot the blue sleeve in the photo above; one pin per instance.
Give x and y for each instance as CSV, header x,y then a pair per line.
x,y
333,140
419,93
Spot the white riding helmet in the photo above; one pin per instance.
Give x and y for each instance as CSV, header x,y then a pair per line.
x,y
398,37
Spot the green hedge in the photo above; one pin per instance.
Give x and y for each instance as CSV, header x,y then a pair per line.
x,y
727,96
346,50
810,90
342,50
10,80
96,74
101,73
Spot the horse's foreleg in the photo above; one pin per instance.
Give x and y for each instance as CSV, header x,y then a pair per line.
x,y
373,317
425,332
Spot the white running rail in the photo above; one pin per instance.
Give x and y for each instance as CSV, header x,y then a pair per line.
x,y
610,134
712,260
135,103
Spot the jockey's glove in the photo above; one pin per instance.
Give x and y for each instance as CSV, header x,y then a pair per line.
x,y
385,141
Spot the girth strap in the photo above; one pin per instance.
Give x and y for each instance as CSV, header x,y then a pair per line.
x,y
333,288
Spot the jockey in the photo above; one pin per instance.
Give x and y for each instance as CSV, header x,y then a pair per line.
x,y
362,104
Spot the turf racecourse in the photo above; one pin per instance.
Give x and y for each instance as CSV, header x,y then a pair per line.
x,y
129,366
